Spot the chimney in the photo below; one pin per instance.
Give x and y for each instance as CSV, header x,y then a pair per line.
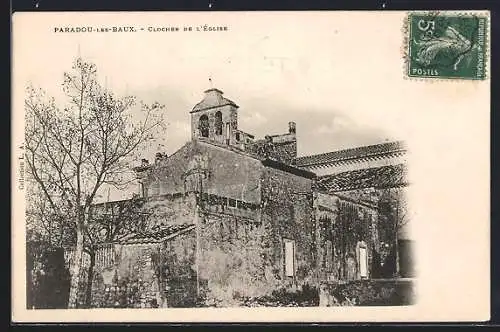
x,y
291,127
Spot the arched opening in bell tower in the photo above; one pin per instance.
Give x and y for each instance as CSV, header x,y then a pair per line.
x,y
218,123
204,126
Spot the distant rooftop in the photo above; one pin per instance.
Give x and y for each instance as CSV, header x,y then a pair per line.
x,y
353,153
377,177
213,98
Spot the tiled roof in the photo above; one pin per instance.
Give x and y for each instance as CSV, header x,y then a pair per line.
x,y
158,234
288,168
213,98
377,177
359,152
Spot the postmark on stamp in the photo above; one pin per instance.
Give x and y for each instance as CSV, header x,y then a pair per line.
x,y
448,46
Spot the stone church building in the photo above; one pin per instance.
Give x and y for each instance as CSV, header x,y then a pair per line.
x,y
229,216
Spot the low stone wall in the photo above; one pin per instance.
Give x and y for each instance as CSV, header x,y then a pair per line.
x,y
128,292
305,296
375,292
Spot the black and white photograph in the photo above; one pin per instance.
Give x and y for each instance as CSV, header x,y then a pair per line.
x,y
249,161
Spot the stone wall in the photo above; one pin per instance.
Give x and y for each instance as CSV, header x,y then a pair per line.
x,y
227,173
131,281
179,268
234,259
391,224
124,279
287,209
382,292
145,275
345,227
176,208
241,248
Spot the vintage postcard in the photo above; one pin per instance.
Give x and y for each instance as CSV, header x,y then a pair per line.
x,y
251,167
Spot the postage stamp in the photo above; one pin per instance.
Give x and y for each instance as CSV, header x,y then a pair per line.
x,y
442,45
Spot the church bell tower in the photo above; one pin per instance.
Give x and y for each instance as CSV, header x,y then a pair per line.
x,y
215,118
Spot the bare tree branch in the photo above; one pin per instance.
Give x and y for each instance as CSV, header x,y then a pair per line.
x,y
73,151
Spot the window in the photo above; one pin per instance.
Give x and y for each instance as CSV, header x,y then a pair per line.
x,y
204,126
221,229
253,225
212,199
232,203
228,133
238,137
218,123
289,258
142,189
363,262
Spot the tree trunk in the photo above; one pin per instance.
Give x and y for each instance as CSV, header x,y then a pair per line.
x,y
75,268
90,279
396,245
397,224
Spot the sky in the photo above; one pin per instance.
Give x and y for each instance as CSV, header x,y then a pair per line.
x,y
343,84
314,72
275,72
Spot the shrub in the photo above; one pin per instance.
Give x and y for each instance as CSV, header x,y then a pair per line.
x,y
307,296
372,293
48,278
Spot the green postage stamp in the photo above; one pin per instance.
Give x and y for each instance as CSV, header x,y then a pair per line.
x,y
442,45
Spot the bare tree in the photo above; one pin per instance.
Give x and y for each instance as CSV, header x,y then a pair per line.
x,y
42,222
395,217
72,152
110,222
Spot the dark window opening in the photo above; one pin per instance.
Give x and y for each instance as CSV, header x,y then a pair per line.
x,y
204,126
212,199
238,137
232,203
253,225
221,230
223,201
218,123
237,234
